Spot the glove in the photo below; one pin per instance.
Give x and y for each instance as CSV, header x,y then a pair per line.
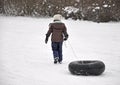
x,y
65,39
46,40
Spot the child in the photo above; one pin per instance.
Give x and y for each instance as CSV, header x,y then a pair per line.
x,y
59,34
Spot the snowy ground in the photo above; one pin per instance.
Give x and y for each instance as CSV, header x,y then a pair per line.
x,y
26,60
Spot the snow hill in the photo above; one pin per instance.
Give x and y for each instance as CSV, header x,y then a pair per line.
x,y
26,60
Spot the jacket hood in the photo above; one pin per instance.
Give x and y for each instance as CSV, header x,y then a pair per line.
x,y
57,17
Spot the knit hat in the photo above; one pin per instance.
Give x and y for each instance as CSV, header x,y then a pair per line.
x,y
57,17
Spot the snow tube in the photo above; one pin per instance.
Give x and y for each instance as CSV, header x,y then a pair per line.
x,y
86,67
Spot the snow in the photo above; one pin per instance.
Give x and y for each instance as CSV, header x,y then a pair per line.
x,y
105,5
113,5
97,7
71,9
26,60
93,10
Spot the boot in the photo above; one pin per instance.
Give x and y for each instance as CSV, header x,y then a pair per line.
x,y
56,60
60,62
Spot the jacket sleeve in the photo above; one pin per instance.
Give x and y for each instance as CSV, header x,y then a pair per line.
x,y
65,32
49,31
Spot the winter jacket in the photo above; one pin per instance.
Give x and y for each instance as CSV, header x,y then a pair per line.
x,y
58,31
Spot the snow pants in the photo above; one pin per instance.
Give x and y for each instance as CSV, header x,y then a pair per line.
x,y
57,50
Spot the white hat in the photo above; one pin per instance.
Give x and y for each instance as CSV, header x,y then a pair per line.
x,y
57,17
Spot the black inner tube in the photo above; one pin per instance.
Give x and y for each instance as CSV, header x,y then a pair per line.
x,y
87,67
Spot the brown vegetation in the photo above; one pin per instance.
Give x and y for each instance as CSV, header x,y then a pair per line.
x,y
95,10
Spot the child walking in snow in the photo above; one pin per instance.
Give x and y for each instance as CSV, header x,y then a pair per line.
x,y
59,34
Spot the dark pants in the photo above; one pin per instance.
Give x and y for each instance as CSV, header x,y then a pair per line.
x,y
57,50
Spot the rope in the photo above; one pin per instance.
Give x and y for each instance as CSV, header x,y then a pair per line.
x,y
72,49
65,44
